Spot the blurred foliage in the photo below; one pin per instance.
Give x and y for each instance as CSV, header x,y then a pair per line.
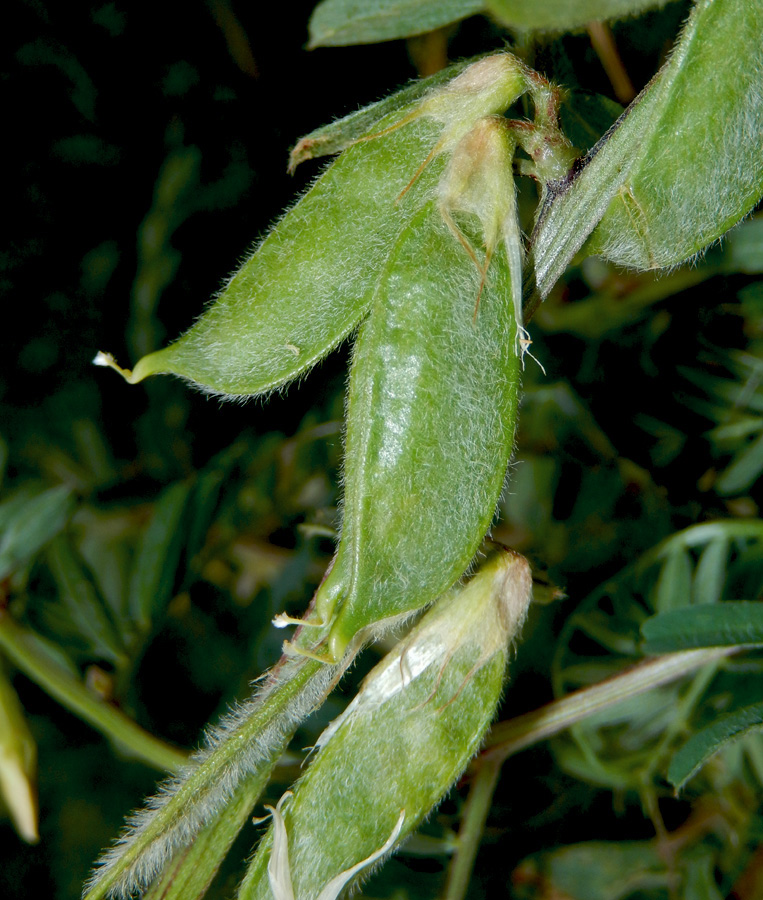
x,y
148,536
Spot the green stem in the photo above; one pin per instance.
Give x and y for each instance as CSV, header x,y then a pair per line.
x,y
26,651
192,803
472,826
190,873
510,737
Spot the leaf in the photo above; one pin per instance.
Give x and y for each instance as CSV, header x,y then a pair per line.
x,y
744,471
668,176
595,870
700,879
674,583
719,625
18,763
743,248
432,405
563,15
310,282
154,570
29,522
83,606
710,574
705,743
585,117
336,23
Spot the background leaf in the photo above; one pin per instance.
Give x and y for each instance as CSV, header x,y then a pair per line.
x,y
155,566
720,625
702,745
339,22
28,522
563,15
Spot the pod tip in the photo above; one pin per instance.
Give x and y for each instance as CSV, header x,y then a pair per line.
x,y
106,359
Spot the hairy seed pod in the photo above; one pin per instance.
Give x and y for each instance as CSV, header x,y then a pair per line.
x,y
419,717
310,282
683,163
430,427
701,170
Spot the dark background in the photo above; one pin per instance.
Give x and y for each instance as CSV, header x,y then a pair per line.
x,y
146,150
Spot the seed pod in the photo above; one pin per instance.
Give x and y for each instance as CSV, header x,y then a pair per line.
x,y
401,743
430,425
701,170
683,163
310,281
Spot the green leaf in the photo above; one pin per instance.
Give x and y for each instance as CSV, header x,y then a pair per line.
x,y
154,570
433,400
743,248
29,522
596,870
585,117
563,15
311,280
669,176
719,625
674,583
43,662
710,574
82,604
336,23
744,472
702,745
700,879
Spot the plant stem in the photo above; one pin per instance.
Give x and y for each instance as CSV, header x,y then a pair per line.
x,y
510,737
251,741
472,826
27,652
604,44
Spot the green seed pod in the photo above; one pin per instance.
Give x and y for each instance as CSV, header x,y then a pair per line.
x,y
419,717
701,170
681,166
310,281
430,426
